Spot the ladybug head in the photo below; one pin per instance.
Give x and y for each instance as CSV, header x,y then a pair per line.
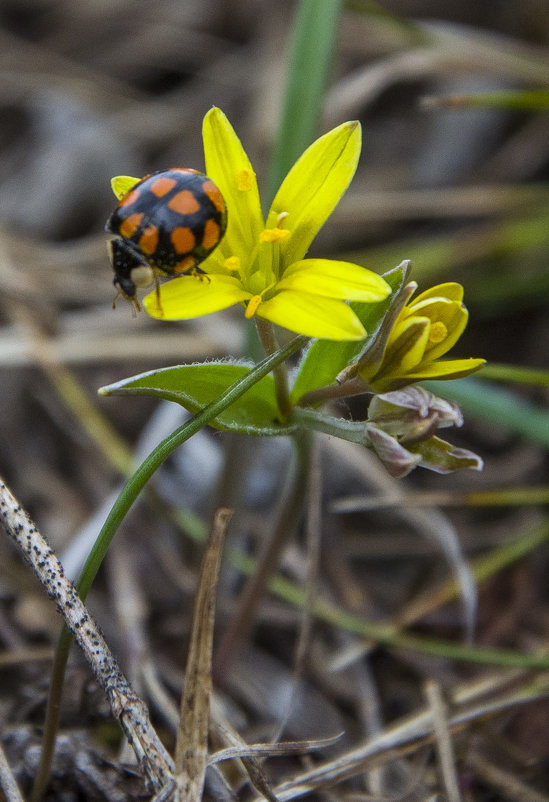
x,y
130,271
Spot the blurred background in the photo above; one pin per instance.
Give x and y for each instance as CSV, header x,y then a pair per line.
x,y
94,88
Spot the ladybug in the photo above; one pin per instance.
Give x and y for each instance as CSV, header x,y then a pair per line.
x,y
167,223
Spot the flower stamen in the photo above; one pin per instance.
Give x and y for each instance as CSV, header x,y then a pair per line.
x,y
437,332
244,180
274,235
232,263
251,308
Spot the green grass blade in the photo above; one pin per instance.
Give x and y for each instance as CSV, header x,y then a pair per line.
x,y
309,62
496,406
516,374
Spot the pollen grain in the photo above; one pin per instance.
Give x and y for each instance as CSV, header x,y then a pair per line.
x,y
244,181
252,306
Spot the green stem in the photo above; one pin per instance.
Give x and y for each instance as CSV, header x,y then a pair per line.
x,y
267,336
353,431
333,392
119,510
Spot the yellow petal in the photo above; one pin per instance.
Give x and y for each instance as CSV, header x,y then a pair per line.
x,y
450,290
228,165
121,185
449,369
313,316
191,296
452,314
314,186
334,279
406,346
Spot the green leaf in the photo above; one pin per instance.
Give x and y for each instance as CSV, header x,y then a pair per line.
x,y
325,359
313,40
195,386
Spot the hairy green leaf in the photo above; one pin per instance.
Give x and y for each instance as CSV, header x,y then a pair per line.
x,y
195,386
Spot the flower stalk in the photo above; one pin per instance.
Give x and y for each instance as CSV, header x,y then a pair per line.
x,y
267,337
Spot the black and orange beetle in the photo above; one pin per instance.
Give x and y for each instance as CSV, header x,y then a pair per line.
x,y
166,224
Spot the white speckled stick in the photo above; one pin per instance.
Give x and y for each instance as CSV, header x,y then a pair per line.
x,y
155,763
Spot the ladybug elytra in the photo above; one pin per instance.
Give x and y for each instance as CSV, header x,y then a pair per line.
x,y
167,223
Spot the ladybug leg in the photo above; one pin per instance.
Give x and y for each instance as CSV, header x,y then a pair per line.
x,y
196,272
189,267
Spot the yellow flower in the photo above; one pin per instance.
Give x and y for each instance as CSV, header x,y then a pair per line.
x,y
260,263
424,330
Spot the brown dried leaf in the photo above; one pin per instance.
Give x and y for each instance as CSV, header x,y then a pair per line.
x,y
191,752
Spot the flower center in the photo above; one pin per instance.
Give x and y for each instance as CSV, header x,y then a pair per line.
x,y
437,332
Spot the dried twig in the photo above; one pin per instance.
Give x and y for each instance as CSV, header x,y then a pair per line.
x,y
228,735
506,782
443,741
191,751
401,737
282,748
8,783
126,706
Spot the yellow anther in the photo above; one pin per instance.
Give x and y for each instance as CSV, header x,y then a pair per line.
x,y
232,263
274,235
438,332
244,181
251,309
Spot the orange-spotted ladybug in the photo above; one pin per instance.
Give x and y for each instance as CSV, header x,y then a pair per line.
x,y
167,224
